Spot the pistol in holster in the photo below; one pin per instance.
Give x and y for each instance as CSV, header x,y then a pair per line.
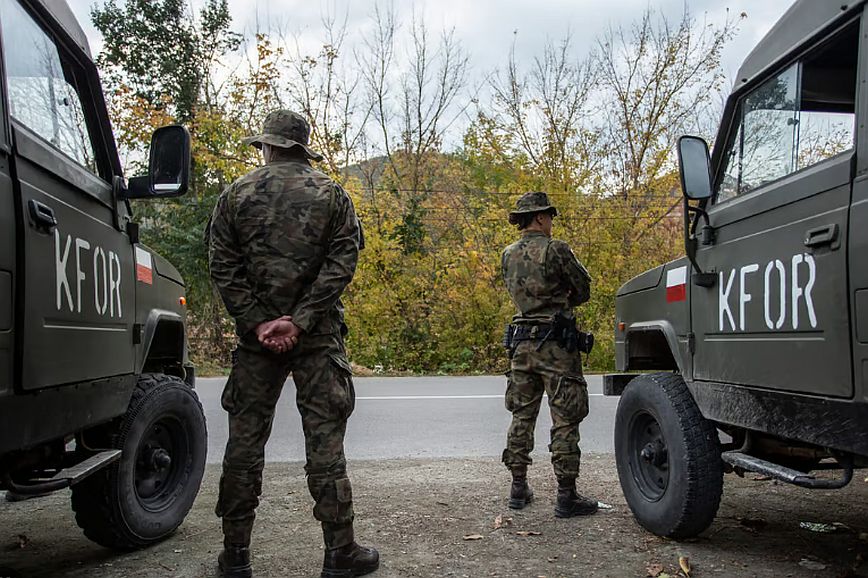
x,y
508,339
569,336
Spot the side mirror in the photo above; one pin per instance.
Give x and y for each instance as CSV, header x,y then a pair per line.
x,y
168,166
695,165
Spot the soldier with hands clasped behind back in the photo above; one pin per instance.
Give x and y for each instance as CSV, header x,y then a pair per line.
x,y
283,245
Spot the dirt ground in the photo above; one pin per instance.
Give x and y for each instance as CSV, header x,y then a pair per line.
x,y
418,513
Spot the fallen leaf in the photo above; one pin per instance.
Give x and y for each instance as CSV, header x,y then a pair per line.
x,y
654,570
179,551
473,537
812,564
528,533
833,528
684,562
501,522
442,503
664,575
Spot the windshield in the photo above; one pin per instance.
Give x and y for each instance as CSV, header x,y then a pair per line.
x,y
798,118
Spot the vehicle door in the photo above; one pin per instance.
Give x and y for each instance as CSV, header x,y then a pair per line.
x,y
778,315
7,259
78,295
858,248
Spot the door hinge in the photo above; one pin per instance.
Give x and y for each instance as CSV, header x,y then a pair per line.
x,y
691,343
133,232
138,331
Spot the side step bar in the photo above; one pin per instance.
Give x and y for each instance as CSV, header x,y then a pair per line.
x,y
66,477
80,471
760,466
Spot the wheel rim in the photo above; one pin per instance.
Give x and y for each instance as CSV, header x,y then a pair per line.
x,y
649,456
160,459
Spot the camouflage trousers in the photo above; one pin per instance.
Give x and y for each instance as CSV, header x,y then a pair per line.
x,y
325,398
558,373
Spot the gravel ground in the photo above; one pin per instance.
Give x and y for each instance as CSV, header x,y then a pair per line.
x,y
418,513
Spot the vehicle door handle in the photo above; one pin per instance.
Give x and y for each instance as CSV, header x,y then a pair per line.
x,y
821,236
42,216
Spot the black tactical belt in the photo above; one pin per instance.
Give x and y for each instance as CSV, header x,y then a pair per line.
x,y
531,332
564,334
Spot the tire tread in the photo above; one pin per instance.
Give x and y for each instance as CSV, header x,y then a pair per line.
x,y
100,520
701,444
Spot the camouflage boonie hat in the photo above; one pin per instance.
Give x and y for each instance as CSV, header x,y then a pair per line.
x,y
285,129
531,203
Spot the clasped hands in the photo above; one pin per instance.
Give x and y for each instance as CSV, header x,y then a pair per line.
x,y
278,335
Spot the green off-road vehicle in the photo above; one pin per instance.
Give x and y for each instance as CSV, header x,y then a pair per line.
x,y
759,336
96,393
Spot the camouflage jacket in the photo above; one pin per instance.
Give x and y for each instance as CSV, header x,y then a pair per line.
x,y
543,278
284,240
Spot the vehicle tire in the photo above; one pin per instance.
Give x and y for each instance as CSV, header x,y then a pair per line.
x,y
668,457
144,496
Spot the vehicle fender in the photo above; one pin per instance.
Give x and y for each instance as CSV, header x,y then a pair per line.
x,y
661,326
157,319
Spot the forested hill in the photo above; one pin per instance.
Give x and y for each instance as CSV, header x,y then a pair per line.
x,y
437,152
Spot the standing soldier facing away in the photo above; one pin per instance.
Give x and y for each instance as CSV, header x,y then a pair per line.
x,y
545,282
283,245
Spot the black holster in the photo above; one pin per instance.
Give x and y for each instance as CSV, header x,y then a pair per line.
x,y
508,339
570,337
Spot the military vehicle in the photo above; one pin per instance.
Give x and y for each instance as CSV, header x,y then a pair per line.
x,y
96,390
753,348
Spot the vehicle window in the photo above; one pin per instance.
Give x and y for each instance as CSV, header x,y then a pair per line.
x,y
41,87
802,116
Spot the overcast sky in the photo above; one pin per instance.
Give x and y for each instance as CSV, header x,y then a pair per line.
x,y
486,27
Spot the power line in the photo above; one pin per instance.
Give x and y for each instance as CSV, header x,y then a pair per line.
x,y
577,195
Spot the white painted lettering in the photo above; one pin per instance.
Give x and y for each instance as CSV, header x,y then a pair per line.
x,y
79,274
723,300
100,280
809,288
743,296
60,270
798,292
782,274
114,284
106,281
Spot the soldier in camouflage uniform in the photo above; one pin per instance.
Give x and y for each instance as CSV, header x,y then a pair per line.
x,y
545,282
283,244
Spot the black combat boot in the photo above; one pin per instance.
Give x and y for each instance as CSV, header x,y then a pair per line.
x,y
570,503
520,494
350,560
234,562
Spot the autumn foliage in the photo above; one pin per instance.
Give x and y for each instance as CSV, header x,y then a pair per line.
x,y
432,159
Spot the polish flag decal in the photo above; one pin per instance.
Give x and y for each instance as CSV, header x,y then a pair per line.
x,y
144,267
676,285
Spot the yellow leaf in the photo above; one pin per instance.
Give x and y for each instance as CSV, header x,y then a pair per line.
x,y
684,562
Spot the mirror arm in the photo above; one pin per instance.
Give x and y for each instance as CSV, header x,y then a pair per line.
x,y
708,233
701,278
118,190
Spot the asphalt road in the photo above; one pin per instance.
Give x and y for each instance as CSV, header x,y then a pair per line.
x,y
415,417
